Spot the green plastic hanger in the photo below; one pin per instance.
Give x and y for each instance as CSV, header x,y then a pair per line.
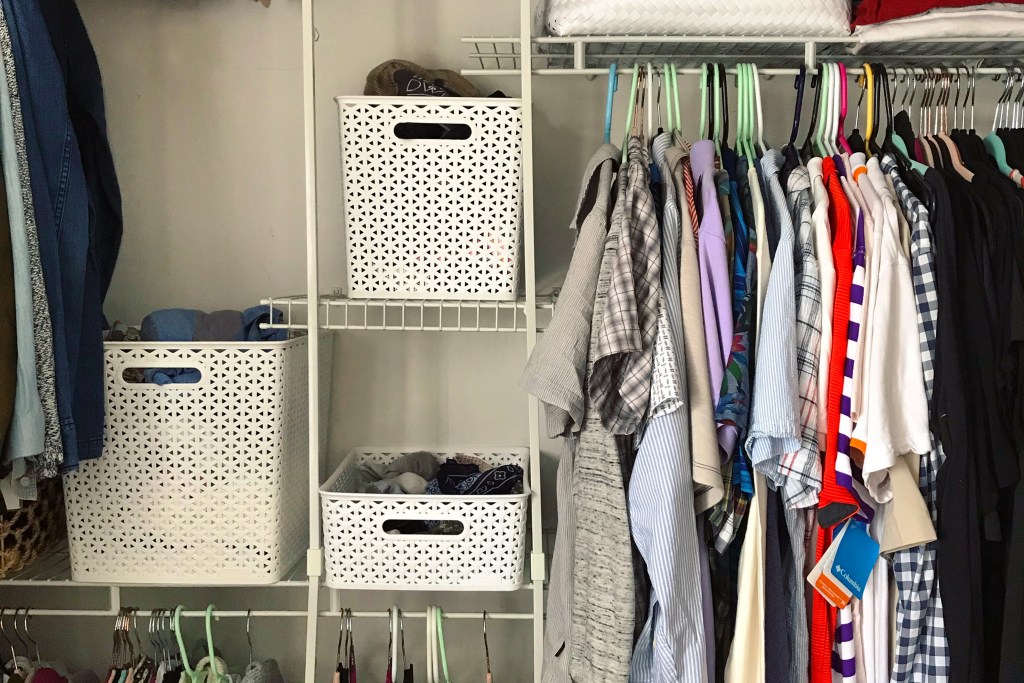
x,y
189,671
702,132
218,676
823,72
744,134
439,615
993,144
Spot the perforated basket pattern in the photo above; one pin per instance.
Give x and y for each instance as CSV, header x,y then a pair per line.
x,y
698,17
429,218
198,483
488,554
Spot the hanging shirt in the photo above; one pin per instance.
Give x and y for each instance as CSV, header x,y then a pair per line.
x,y
603,582
707,474
557,374
895,400
714,265
556,370
827,272
921,648
802,468
773,424
621,381
672,645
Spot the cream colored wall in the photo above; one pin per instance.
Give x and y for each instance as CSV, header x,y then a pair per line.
x,y
205,112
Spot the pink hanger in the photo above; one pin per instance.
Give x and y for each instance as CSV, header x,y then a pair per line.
x,y
841,133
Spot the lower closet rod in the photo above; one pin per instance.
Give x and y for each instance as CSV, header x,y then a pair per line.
x,y
237,614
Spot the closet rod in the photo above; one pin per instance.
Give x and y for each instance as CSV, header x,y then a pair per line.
x,y
693,71
239,614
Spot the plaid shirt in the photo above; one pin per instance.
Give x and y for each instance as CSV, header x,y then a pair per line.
x,y
922,653
802,468
620,385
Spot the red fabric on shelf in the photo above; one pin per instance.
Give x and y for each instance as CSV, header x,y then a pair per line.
x,y
876,11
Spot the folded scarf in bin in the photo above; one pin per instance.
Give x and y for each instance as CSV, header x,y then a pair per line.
x,y
456,479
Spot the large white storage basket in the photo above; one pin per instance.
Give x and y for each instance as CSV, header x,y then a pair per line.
x,y
487,555
698,17
199,483
432,218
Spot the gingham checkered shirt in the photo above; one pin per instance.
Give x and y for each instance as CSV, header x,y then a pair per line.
x,y
620,385
922,653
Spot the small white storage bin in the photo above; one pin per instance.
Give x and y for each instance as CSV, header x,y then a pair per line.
x,y
432,218
488,554
200,483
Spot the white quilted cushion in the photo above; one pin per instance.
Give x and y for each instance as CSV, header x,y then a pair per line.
x,y
698,17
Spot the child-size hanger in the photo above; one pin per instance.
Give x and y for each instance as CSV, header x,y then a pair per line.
x,y
613,85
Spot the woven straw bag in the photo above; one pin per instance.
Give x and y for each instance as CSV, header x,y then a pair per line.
x,y
698,17
33,529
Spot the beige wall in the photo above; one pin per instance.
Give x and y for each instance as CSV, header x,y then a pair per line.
x,y
205,111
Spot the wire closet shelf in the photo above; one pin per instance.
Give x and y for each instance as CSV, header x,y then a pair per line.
x,y
592,55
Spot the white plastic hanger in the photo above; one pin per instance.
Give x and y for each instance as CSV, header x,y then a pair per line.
x,y
760,114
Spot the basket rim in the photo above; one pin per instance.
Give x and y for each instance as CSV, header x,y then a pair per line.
x,y
506,102
326,494
189,345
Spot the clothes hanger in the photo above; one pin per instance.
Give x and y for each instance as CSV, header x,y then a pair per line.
x,y
790,149
741,112
650,104
719,113
431,646
439,615
673,100
191,673
631,110
10,643
869,120
702,131
826,96
755,79
841,132
613,86
807,149
487,650
833,111
955,158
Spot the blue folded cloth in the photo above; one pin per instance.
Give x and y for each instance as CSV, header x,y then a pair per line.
x,y
185,325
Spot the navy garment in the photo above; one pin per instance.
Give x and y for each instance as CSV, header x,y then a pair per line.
x,y
61,205
84,86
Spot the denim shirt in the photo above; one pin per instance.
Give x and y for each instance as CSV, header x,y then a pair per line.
x,y
62,218
25,437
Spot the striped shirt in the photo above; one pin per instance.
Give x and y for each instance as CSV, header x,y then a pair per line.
x,y
672,645
922,652
773,421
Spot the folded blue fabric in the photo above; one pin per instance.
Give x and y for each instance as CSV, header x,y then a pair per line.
x,y
185,325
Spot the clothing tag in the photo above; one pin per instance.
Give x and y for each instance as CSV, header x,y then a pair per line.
x,y
845,567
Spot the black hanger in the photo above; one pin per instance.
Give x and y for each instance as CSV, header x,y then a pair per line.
x,y
807,149
872,142
792,156
724,90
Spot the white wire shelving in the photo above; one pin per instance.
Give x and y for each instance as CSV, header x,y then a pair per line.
x,y
340,313
781,55
53,569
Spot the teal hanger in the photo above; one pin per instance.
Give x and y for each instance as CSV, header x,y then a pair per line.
x,y
993,144
613,85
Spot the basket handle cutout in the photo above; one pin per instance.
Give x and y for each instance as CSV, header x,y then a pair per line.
x,y
415,528
432,130
161,377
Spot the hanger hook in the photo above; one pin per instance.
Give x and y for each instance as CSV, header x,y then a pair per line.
x,y
3,630
35,645
248,632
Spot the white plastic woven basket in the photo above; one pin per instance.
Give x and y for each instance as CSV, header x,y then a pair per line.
x,y
698,17
432,218
199,483
488,554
